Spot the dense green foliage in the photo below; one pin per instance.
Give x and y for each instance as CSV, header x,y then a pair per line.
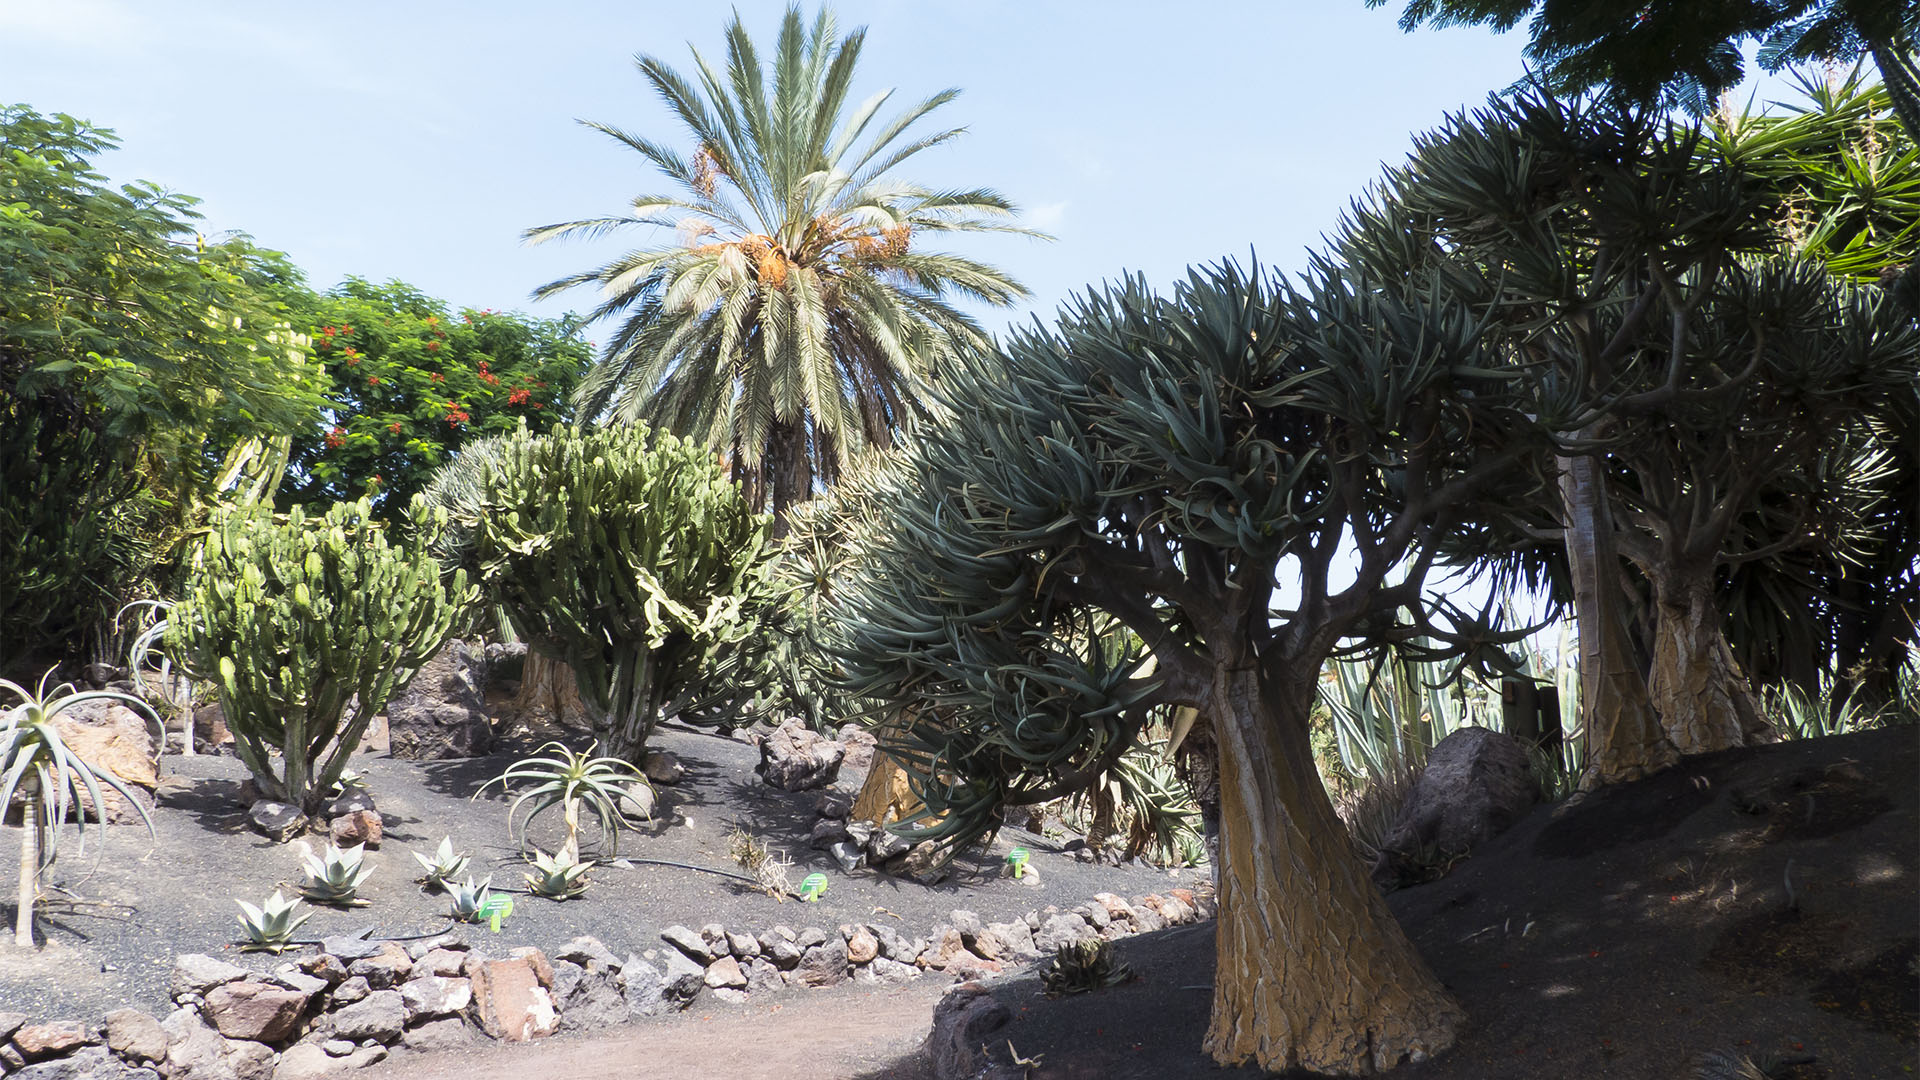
x,y
1846,178
1149,463
624,553
143,370
790,322
411,384
1687,52
61,550
293,618
1736,392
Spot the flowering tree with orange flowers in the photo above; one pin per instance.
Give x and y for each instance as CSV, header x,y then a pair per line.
x,y
413,383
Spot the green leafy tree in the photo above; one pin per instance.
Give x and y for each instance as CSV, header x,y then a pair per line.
x,y
1687,52
624,553
1159,463
293,619
413,384
167,360
790,323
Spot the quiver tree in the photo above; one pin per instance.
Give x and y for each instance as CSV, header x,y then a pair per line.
x,y
1158,464
624,553
294,619
1709,400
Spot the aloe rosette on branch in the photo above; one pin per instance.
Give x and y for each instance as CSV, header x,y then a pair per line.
x,y
626,554
293,618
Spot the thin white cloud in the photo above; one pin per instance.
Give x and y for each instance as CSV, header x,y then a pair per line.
x,y
96,24
1046,216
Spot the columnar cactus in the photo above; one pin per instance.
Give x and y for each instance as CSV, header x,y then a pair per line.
x,y
292,618
623,552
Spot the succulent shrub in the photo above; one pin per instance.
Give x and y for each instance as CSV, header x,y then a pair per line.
x,y
336,876
560,876
443,865
294,617
270,926
35,762
1080,966
623,552
569,780
468,898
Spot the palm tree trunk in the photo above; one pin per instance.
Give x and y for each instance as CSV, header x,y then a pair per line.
x,y
1902,77
1624,738
792,465
29,863
1314,971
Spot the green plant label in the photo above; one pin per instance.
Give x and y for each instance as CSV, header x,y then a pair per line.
x,y
813,887
496,908
1017,858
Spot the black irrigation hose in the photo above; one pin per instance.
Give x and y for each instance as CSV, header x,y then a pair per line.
x,y
406,937
710,870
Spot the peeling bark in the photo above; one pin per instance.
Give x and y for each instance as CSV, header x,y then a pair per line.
x,y
1703,700
549,693
1624,738
1314,971
886,796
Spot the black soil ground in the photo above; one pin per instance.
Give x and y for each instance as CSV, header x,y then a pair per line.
x,y
124,908
1762,901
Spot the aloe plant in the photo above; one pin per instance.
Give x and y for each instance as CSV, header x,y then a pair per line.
x,y
560,876
443,866
270,926
567,779
336,877
468,898
36,762
1080,966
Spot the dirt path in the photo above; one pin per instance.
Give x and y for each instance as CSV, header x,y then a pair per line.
x,y
844,1034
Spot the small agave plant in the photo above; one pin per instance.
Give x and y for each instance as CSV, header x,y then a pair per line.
x,y
336,878
270,927
561,876
468,898
443,866
1082,966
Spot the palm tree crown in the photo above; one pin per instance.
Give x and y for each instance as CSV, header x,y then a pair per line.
x,y
789,320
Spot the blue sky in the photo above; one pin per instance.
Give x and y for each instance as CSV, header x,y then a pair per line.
x,y
416,140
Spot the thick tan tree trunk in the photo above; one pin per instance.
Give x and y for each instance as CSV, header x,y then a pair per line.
x,y
549,694
1314,971
886,796
1704,701
1624,738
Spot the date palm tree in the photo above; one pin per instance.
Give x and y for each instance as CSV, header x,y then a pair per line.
x,y
788,322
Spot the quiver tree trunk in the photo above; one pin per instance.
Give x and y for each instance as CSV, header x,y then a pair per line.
x,y
1624,738
886,796
1703,700
549,693
1314,971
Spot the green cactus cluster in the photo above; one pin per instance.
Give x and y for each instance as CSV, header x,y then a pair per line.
x,y
293,618
623,552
